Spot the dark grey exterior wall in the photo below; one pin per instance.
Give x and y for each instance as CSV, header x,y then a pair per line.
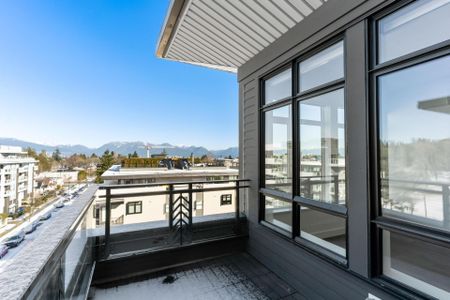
x,y
314,276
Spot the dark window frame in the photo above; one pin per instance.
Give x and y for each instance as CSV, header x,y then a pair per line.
x,y
378,222
294,102
134,204
226,199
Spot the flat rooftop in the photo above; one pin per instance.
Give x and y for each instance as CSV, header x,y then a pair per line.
x,y
132,173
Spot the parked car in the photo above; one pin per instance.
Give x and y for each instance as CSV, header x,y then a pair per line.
x,y
21,211
3,250
46,216
31,227
15,240
59,204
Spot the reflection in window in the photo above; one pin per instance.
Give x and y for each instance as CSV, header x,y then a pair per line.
x,y
324,67
417,26
278,87
278,213
278,149
323,229
322,148
414,106
421,265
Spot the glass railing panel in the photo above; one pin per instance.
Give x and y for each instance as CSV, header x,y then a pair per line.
x,y
78,261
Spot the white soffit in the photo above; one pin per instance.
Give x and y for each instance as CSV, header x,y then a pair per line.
x,y
224,34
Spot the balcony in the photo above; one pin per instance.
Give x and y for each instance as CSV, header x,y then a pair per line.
x,y
23,169
146,232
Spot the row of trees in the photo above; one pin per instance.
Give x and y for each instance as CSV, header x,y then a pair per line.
x,y
56,160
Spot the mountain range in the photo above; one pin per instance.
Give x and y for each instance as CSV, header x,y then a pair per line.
x,y
123,148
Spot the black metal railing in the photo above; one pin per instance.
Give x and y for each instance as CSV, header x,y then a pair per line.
x,y
307,184
401,197
185,221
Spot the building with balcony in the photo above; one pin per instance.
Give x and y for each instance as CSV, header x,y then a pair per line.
x,y
344,189
16,178
146,211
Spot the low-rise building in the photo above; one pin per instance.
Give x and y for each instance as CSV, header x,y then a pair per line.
x,y
153,208
16,178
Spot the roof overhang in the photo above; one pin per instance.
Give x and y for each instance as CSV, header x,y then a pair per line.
x,y
225,34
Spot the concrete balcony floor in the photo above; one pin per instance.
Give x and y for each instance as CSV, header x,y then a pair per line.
x,y
237,276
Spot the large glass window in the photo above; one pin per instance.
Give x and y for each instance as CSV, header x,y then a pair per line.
x,y
278,149
278,87
417,26
323,67
421,265
414,105
325,230
414,146
322,148
278,212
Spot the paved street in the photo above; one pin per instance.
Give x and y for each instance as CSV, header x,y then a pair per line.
x,y
29,238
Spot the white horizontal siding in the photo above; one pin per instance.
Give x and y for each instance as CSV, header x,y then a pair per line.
x,y
224,34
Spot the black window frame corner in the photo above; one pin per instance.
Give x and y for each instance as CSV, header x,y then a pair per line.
x,y
224,201
135,204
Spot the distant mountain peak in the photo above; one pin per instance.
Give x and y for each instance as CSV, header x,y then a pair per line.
x,y
124,148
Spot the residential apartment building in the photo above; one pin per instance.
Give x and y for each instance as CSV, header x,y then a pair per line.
x,y
152,209
16,178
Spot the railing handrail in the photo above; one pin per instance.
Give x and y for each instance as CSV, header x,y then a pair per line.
x,y
153,184
399,180
168,192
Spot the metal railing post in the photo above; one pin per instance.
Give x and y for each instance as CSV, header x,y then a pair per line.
x,y
107,222
238,208
171,206
446,205
190,204
336,189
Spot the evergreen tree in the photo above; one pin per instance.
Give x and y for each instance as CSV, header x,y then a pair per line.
x,y
106,161
57,155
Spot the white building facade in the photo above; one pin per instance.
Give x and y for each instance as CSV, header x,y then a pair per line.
x,y
154,209
16,178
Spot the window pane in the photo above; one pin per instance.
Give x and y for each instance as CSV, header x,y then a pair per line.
x,y
418,25
421,265
278,87
278,213
323,229
322,148
415,143
278,149
325,66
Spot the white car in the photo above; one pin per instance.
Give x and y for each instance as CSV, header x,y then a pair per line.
x,y
59,204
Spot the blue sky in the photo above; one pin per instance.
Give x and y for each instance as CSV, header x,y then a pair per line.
x,y
85,72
